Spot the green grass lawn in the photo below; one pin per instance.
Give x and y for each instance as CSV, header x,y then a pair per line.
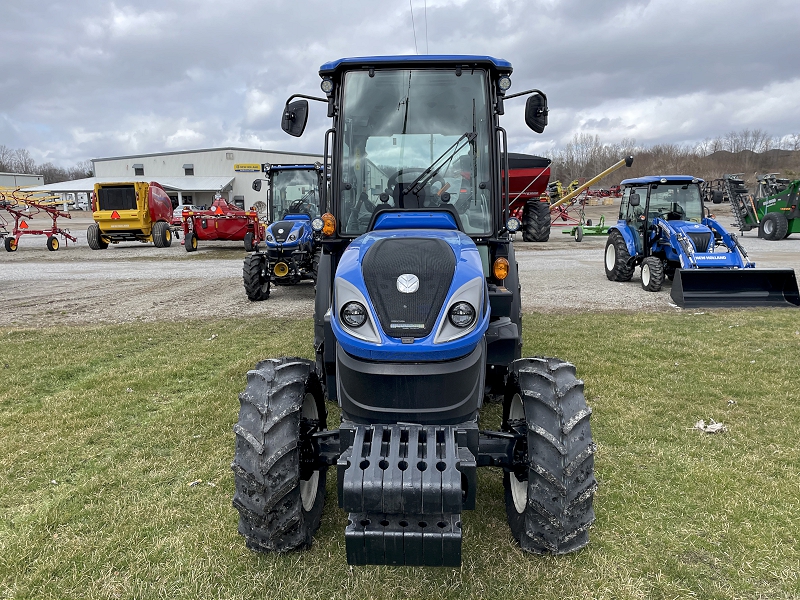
x,y
102,429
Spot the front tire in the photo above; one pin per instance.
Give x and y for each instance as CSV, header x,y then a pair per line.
x,y
652,274
255,277
536,221
279,500
550,491
617,258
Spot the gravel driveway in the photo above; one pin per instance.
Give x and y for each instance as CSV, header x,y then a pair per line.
x,y
138,282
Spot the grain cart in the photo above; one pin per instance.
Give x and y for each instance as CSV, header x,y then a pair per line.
x,y
292,249
417,318
128,212
662,227
223,221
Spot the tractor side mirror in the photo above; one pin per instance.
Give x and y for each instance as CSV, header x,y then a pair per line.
x,y
634,199
257,185
716,196
536,112
295,116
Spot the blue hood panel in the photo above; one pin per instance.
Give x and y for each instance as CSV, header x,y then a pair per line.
x,y
468,275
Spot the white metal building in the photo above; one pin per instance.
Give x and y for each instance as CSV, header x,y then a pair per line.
x,y
191,176
15,180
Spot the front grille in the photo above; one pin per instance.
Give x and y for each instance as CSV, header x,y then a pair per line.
x,y
701,240
285,226
120,197
431,260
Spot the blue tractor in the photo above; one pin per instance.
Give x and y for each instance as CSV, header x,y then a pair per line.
x,y
292,249
417,323
663,226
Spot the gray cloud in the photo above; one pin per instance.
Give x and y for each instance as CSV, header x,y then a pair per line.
x,y
88,79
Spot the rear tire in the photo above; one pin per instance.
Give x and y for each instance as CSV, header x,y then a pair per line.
x,y
162,234
536,221
652,274
774,226
94,239
279,501
549,493
248,242
256,280
190,243
52,243
617,258
11,244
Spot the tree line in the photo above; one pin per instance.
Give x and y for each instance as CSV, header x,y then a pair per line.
x,y
750,152
20,161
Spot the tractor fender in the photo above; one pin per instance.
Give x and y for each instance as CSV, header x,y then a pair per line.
x,y
627,235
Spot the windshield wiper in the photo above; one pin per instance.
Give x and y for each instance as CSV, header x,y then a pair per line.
x,y
436,166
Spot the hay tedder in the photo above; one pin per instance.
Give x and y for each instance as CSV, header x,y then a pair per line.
x,y
22,206
662,227
222,221
417,322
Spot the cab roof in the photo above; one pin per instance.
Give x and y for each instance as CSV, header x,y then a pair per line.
x,y
657,179
497,65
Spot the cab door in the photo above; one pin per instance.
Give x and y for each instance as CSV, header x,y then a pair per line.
x,y
635,213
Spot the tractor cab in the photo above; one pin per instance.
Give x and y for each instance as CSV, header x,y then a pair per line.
x,y
676,198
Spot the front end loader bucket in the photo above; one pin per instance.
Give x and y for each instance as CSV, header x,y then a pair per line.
x,y
731,288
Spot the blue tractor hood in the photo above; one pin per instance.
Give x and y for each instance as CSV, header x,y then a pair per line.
x,y
408,279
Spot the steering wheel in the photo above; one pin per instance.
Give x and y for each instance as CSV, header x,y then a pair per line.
x,y
393,182
299,206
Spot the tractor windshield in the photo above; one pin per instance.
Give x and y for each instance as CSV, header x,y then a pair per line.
x,y
294,191
414,139
675,201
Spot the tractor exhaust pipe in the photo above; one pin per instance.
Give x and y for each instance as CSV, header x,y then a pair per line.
x,y
733,288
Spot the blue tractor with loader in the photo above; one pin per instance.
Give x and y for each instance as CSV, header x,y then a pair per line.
x,y
417,323
664,227
291,249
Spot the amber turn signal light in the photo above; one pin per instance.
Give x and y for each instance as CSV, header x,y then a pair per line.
x,y
328,224
500,268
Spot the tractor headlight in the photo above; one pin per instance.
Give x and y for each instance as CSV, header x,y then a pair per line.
x,y
462,314
269,237
317,224
504,82
513,224
292,237
326,85
354,314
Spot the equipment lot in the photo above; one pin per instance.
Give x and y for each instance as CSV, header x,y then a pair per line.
x,y
132,282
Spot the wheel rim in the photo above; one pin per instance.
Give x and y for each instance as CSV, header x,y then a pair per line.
x,y
611,256
54,244
769,226
646,274
168,236
519,489
308,489
194,242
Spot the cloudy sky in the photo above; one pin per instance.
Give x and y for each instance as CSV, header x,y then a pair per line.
x,y
84,79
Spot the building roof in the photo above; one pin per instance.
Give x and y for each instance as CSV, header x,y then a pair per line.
x,y
133,156
177,184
